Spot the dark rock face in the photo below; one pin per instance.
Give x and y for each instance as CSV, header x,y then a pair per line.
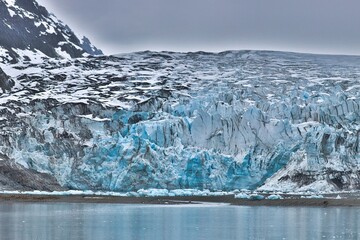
x,y
89,48
27,29
5,82
14,176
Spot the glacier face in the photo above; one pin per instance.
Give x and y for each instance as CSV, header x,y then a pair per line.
x,y
232,120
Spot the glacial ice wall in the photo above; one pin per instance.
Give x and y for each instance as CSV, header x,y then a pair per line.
x,y
246,119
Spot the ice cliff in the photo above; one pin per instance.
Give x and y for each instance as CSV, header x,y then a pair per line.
x,y
231,120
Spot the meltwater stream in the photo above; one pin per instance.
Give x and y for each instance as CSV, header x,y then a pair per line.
x,y
43,221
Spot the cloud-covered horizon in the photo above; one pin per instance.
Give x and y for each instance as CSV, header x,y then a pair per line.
x,y
322,26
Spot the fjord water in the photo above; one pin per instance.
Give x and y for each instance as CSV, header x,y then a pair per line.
x,y
118,221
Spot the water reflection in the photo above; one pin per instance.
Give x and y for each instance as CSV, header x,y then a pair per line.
x,y
115,221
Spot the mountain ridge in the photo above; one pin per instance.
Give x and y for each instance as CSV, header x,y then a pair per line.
x,y
30,31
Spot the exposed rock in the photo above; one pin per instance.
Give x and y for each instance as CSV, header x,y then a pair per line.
x,y
5,82
29,32
16,177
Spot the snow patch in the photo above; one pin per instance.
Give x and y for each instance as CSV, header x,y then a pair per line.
x,y
62,53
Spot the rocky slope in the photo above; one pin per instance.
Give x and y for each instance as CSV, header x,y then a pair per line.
x,y
29,32
232,120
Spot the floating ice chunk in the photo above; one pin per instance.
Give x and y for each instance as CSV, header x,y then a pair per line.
x,y
313,196
274,197
132,194
256,197
242,196
152,192
219,193
183,192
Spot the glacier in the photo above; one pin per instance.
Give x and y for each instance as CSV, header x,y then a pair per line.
x,y
257,120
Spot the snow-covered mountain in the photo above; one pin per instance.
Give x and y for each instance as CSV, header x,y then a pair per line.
x,y
232,120
29,32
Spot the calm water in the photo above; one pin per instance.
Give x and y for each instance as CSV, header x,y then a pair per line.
x,y
116,221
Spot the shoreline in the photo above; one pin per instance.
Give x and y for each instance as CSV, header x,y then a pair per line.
x,y
226,199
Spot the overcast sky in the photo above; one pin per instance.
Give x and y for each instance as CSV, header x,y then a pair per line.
x,y
115,26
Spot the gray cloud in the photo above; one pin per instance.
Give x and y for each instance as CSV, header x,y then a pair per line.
x,y
324,26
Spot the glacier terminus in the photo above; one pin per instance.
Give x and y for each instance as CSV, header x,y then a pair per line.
x,y
263,120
